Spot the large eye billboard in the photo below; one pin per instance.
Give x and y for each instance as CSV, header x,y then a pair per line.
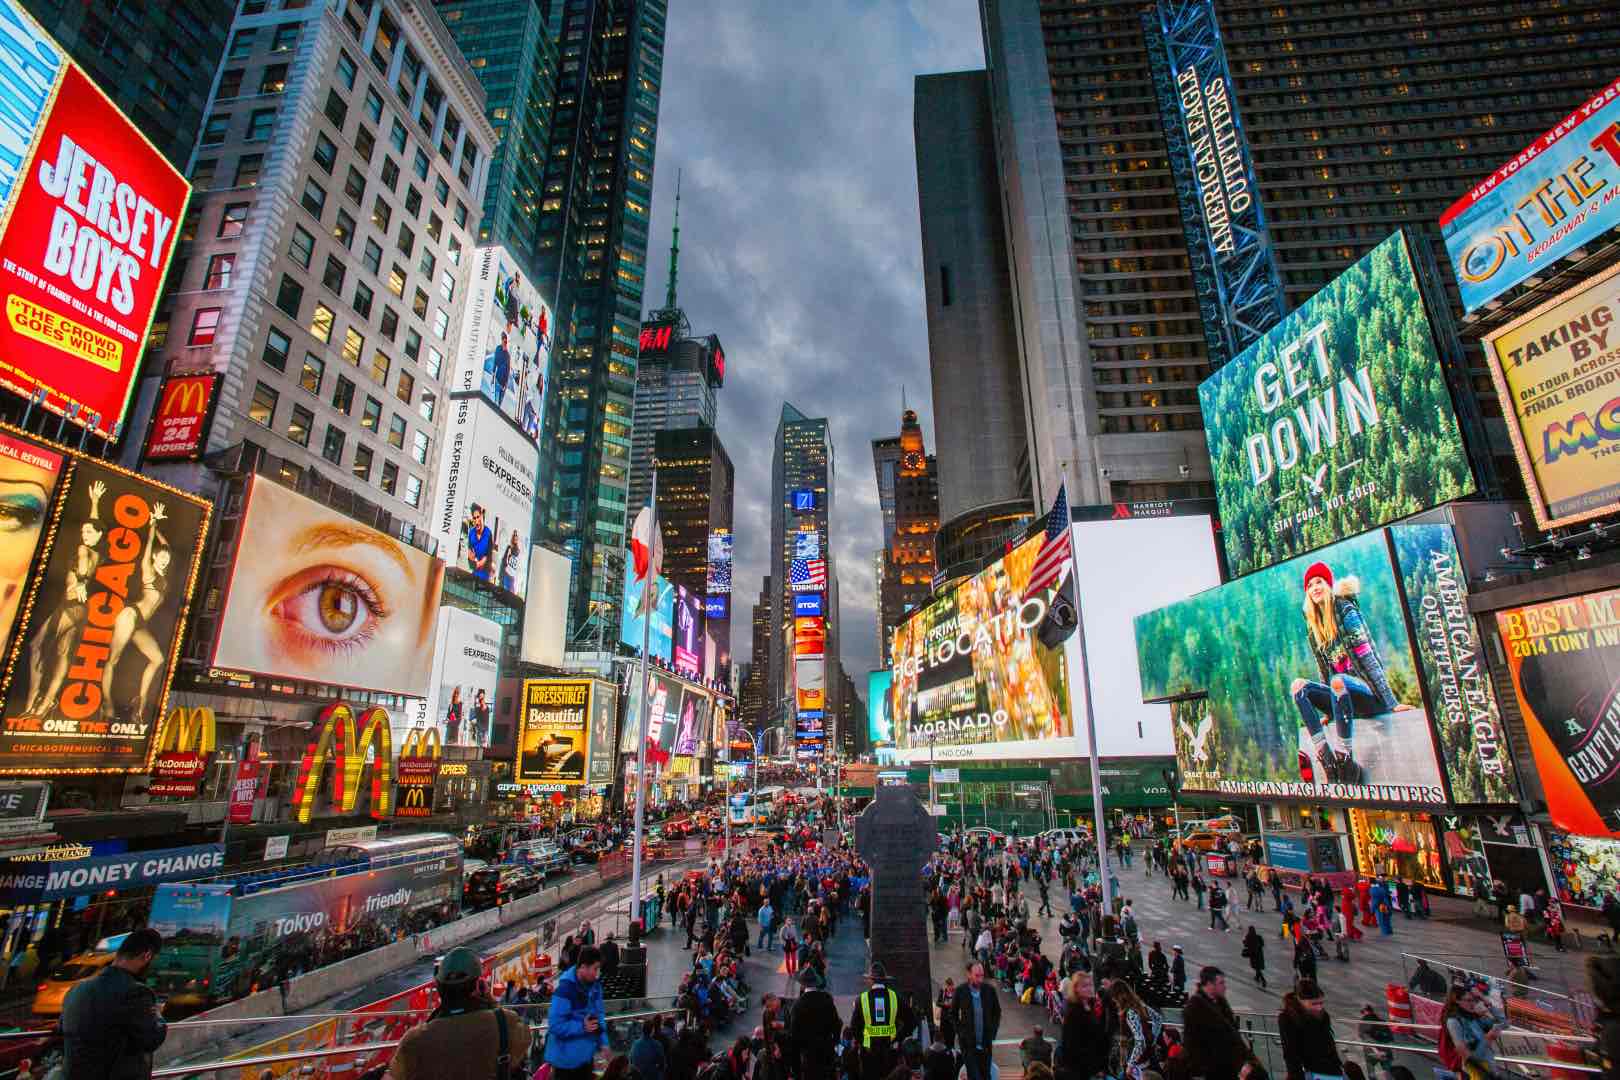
x,y
1302,680
1336,421
93,656
972,680
318,596
88,209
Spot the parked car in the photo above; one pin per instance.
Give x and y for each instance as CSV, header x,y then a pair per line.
x,y
48,998
1066,836
984,832
590,852
494,886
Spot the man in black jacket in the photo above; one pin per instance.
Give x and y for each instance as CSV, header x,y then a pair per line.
x,y
111,1023
977,1018
814,1028
1215,1047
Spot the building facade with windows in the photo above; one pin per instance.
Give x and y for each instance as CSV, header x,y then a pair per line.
x,y
324,260
908,565
696,492
154,58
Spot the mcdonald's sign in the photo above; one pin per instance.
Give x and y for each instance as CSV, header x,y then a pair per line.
x,y
183,749
188,729
347,739
415,800
421,742
181,418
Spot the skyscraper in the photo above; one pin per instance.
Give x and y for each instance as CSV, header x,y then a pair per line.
x,y
593,254
973,355
755,704
908,557
511,49
156,61
1354,124
675,391
696,489
801,509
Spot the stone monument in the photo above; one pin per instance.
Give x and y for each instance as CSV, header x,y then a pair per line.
x,y
896,837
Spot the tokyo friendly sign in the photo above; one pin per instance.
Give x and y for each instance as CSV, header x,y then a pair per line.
x,y
1556,194
87,225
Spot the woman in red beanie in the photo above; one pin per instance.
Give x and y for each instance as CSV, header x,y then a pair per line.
x,y
1352,683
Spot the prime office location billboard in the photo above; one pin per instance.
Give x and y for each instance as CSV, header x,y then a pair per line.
x,y
88,209
1555,195
1336,421
1557,374
484,505
505,340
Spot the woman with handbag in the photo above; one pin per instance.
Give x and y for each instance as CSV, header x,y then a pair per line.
x,y
1468,1033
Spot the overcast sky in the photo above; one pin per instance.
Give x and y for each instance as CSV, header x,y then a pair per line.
x,y
791,127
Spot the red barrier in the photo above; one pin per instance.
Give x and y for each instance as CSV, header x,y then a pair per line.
x,y
1399,1003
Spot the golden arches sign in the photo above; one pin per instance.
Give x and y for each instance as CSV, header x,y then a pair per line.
x,y
422,742
347,738
188,730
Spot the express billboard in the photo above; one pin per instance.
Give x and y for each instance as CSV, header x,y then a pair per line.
x,y
484,504
1564,659
466,667
554,738
1324,694
661,634
506,338
88,209
90,666
970,677
181,418
1556,371
1552,197
319,596
1336,421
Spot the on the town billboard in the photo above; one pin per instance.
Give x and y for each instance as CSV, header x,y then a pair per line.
x,y
484,504
1549,199
89,670
88,209
1557,374
506,338
29,472
319,596
1336,421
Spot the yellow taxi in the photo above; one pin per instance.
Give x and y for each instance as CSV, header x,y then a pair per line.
x,y
48,998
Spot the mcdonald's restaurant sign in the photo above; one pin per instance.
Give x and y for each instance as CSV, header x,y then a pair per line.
x,y
184,748
181,418
347,740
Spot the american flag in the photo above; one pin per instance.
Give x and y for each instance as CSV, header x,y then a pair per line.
x,y
806,574
1056,548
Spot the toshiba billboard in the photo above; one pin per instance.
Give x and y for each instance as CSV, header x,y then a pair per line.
x,y
87,224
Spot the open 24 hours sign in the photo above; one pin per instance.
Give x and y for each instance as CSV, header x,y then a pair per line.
x,y
88,216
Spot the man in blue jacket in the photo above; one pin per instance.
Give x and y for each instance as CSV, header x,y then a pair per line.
x,y
577,1026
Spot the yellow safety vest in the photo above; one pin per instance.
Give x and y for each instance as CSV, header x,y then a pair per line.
x,y
873,1030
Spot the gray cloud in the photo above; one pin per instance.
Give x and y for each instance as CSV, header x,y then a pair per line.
x,y
791,125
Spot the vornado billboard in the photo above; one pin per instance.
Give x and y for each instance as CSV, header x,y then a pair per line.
x,y
484,504
87,225
1336,421
505,340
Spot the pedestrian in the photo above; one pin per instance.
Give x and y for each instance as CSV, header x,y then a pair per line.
x,y
1035,1047
1254,949
977,1019
1554,927
1199,887
790,945
576,1025
647,1054
1304,956
1083,1043
111,1023
1603,973
767,928
1468,1034
1138,1032
1214,1046
467,1036
1217,907
1178,971
1306,1031
878,1021
813,1028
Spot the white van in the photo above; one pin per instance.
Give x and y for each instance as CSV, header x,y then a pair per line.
x,y
1065,837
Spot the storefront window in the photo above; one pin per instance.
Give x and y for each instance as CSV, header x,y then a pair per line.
x,y
1398,845
1585,868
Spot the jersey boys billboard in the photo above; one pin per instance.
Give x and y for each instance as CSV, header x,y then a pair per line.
x,y
1338,420
87,225
1557,373
1557,194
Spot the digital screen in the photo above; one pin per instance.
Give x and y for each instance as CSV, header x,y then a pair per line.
x,y
661,635
804,500
879,707
806,603
688,657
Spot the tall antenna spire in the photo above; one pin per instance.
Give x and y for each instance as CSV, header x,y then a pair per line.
x,y
902,399
674,248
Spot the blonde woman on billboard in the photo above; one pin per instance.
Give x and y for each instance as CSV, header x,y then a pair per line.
x,y
130,626
1353,683
60,633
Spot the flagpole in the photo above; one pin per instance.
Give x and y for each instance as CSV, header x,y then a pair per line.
x,y
649,607
1091,721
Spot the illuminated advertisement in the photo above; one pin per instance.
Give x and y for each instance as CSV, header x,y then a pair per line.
x,y
809,636
318,596
810,735
181,418
720,548
28,476
90,666
663,716
692,722
87,225
661,635
879,707
604,709
1564,659
466,665
810,682
485,501
1551,198
1557,370
688,641
1336,421
807,544
806,604
505,340
351,741
1319,697
804,500
554,731
970,677
716,608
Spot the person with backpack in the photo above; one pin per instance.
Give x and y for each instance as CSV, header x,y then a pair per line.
x,y
1468,1034
576,1026
1306,1031
467,1037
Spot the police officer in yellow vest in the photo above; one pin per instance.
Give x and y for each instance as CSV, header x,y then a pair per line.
x,y
880,1021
